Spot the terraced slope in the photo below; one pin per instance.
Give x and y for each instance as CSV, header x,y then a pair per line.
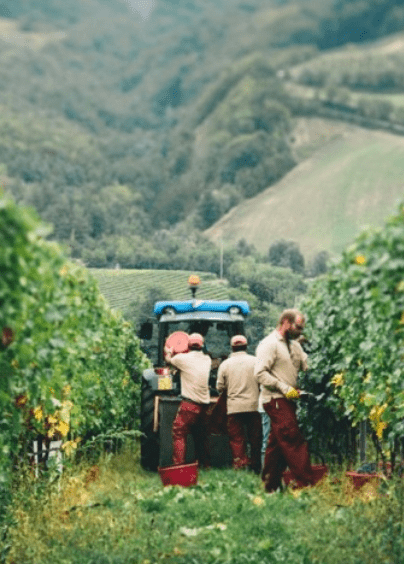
x,y
121,287
356,179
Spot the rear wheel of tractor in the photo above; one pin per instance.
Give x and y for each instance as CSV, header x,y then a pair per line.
x,y
149,442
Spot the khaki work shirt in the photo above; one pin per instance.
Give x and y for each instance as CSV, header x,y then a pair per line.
x,y
236,374
277,368
194,369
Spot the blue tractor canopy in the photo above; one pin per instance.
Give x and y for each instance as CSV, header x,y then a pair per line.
x,y
173,307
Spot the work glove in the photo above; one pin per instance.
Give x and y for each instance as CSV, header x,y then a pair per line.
x,y
292,394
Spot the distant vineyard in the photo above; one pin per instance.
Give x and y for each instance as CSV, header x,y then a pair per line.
x,y
121,287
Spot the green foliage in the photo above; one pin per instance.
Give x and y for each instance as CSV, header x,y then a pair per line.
x,y
356,333
286,253
114,127
357,21
69,365
268,289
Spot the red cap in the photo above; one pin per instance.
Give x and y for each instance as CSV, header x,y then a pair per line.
x,y
195,339
238,341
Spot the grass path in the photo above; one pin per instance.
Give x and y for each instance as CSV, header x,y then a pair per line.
x,y
115,513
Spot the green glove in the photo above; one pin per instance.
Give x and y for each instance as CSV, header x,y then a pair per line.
x,y
292,394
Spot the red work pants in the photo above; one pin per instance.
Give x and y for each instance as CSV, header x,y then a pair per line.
x,y
286,446
191,418
244,428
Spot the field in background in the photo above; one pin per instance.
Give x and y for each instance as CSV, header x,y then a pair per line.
x,y
353,179
121,287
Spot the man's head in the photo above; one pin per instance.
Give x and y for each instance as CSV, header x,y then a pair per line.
x,y
195,341
291,323
238,343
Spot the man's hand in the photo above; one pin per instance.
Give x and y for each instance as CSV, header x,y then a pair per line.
x,y
292,394
168,353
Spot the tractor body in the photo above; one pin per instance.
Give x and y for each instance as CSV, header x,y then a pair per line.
x,y
217,321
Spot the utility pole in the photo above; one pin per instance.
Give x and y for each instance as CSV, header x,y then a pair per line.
x,y
221,259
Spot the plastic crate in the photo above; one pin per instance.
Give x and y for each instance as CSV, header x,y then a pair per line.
x,y
359,479
319,471
182,475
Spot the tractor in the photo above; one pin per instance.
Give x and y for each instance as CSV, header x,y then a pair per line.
x,y
217,321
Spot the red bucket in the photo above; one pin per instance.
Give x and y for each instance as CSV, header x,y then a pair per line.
x,y
359,479
178,341
181,475
319,471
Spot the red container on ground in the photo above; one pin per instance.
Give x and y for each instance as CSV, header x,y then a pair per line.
x,y
359,479
319,471
182,475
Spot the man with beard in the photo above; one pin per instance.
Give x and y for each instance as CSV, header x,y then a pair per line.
x,y
279,359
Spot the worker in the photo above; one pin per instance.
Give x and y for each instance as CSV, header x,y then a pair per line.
x,y
279,359
236,378
192,417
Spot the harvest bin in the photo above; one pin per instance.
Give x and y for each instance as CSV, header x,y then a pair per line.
x,y
359,479
319,471
182,475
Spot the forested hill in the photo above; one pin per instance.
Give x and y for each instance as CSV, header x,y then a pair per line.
x,y
120,119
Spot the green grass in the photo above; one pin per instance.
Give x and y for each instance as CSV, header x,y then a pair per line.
x,y
122,287
115,513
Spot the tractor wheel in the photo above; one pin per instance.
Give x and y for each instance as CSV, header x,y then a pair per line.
x,y
149,442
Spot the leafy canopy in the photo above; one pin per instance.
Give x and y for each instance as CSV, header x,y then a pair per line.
x,y
356,331
68,363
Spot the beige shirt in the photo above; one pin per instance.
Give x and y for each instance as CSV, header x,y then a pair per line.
x,y
194,369
236,374
277,368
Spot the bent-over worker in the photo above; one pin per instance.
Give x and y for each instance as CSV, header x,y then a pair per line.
x,y
194,367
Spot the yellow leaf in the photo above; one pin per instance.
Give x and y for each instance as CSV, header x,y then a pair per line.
x,y
337,380
38,413
63,428
367,378
64,270
380,428
360,259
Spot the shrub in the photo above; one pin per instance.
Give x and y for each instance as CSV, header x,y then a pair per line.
x,y
68,363
356,333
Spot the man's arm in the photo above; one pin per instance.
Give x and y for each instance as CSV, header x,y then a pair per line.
x,y
221,382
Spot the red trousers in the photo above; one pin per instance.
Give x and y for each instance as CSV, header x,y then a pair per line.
x,y
191,418
286,446
244,428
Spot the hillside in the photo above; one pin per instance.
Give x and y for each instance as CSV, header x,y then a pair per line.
x,y
130,126
122,288
354,180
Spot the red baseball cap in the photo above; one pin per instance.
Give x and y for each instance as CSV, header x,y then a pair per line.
x,y
238,341
195,339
